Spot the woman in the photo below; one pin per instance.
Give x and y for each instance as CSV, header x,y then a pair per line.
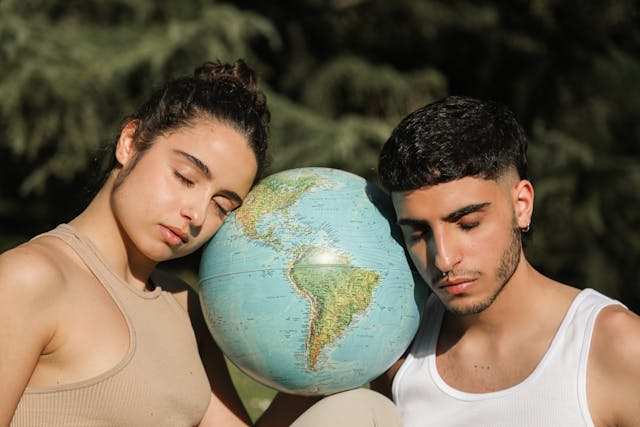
x,y
91,332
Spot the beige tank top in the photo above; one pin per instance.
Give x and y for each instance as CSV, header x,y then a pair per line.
x,y
160,381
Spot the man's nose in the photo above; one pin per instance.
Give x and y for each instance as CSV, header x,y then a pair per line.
x,y
447,254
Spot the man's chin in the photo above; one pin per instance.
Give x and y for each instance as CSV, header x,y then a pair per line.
x,y
460,309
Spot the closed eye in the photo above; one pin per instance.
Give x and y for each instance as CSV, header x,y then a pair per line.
x,y
468,225
226,201
220,209
223,204
416,235
183,179
414,230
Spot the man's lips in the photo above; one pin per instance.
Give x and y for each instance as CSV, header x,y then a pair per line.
x,y
456,285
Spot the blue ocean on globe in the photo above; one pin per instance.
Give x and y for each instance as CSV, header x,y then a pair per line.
x,y
307,287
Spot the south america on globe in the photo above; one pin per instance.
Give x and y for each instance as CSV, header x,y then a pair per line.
x,y
306,287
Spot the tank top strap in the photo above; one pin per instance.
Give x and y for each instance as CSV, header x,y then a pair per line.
x,y
97,264
85,250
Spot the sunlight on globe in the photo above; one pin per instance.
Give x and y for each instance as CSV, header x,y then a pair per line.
x,y
306,288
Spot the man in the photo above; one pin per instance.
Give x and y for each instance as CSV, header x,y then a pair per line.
x,y
500,344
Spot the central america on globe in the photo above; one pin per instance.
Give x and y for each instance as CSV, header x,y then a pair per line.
x,y
307,287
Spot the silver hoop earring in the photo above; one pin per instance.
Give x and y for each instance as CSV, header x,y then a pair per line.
x,y
526,229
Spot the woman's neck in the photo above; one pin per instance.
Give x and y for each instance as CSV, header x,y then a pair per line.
x,y
99,224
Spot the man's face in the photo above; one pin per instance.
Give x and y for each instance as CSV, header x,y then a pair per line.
x,y
463,236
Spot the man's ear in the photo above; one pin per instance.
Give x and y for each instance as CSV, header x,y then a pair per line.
x,y
126,147
523,202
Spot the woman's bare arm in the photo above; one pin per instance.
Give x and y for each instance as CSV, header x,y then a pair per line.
x,y
30,285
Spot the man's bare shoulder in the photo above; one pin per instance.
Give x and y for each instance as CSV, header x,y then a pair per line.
x,y
616,334
614,371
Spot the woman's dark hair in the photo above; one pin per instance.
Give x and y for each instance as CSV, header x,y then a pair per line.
x,y
451,139
224,92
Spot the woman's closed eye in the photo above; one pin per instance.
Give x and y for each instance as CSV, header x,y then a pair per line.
x,y
221,210
223,205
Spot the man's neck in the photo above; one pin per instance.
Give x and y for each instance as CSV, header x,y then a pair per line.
x,y
516,304
528,302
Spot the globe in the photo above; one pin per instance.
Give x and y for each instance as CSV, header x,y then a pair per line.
x,y
307,288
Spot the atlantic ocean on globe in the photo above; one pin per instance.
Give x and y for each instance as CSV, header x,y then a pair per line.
x,y
307,288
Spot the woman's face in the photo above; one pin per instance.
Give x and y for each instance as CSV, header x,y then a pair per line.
x,y
182,188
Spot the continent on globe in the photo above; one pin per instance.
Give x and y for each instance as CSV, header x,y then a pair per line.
x,y
306,287
336,293
274,195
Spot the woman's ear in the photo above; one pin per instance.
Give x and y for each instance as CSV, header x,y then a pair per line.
x,y
523,203
126,147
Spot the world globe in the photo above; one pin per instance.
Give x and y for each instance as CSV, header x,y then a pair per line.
x,y
307,288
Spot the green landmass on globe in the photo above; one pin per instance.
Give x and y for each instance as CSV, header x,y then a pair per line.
x,y
272,195
336,293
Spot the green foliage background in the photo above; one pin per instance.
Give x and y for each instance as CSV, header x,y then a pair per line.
x,y
339,75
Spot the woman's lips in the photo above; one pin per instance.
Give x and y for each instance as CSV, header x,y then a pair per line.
x,y
174,236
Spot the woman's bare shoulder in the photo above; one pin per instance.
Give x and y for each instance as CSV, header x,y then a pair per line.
x,y
33,287
34,269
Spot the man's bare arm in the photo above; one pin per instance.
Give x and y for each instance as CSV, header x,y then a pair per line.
x,y
613,373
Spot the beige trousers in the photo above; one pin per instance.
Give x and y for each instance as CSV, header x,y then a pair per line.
x,y
354,408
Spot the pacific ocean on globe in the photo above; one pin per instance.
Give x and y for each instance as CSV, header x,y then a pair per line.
x,y
307,287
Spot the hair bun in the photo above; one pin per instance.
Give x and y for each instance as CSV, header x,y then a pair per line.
x,y
238,71
241,78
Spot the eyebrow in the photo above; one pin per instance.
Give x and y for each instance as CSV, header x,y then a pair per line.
x,y
452,217
414,223
205,170
457,214
196,162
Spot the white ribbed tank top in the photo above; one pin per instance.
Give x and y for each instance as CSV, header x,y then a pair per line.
x,y
554,394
